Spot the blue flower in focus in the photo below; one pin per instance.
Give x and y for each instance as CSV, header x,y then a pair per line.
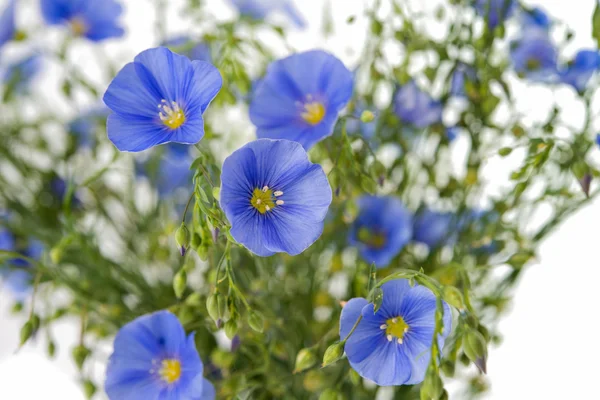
x,y
581,69
535,57
160,98
260,9
535,18
93,19
381,230
462,74
300,97
192,50
275,199
18,76
392,347
495,11
153,359
433,228
84,127
7,23
415,107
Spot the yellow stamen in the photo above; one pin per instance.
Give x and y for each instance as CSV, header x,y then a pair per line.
x,y
170,370
395,328
314,112
372,239
263,200
78,26
171,115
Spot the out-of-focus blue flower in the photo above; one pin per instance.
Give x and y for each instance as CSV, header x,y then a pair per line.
x,y
393,346
495,11
581,69
160,98
381,230
356,126
7,23
477,221
598,139
260,9
84,127
93,19
18,76
7,240
58,188
535,18
275,199
462,74
433,228
172,171
185,46
153,359
414,106
535,57
17,275
452,133
300,97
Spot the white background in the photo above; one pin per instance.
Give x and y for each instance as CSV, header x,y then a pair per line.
x,y
549,351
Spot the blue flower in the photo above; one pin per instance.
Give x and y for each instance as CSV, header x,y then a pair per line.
x,y
535,18
381,230
7,240
192,50
581,69
84,127
17,276
433,228
275,199
356,126
495,11
300,97
93,19
7,23
598,139
534,56
172,171
393,346
462,74
415,107
160,98
153,359
452,133
260,9
18,76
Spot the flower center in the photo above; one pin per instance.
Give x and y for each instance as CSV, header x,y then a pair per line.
x,y
371,238
78,26
171,115
170,370
533,64
313,112
395,328
265,199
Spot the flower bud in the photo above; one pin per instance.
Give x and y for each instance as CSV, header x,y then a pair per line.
x,y
26,332
454,297
196,241
194,299
333,353
367,116
329,394
56,254
180,283
89,388
256,321
35,322
475,348
432,387
183,238
231,328
51,349
212,306
80,354
305,359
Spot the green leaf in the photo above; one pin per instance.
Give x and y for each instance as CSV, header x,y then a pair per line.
x,y
596,25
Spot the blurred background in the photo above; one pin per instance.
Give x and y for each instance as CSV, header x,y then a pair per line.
x,y
549,336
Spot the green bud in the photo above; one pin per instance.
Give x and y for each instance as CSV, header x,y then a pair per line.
x,y
329,394
333,353
448,368
222,305
231,328
256,321
212,306
196,240
454,297
80,354
26,332
433,387
89,388
194,299
51,349
367,116
56,254
305,359
183,238
202,251
17,308
505,151
35,322
475,348
180,283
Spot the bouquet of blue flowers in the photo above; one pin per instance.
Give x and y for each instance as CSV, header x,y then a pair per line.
x,y
352,241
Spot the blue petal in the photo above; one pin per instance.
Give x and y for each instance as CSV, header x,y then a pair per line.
x,y
350,313
432,228
7,23
207,82
367,337
135,134
292,12
57,11
394,293
7,240
128,95
204,390
248,228
102,19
